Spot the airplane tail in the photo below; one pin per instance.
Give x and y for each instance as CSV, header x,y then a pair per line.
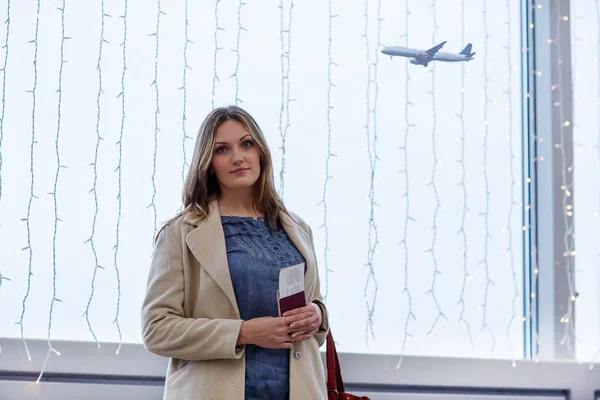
x,y
467,51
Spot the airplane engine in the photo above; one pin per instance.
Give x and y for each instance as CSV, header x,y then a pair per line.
x,y
417,62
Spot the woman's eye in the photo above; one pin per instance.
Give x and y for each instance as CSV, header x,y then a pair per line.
x,y
247,142
220,148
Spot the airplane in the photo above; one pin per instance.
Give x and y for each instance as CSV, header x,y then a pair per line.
x,y
424,57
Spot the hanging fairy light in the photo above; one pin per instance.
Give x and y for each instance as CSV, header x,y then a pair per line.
x,y
432,183
462,231
408,126
330,155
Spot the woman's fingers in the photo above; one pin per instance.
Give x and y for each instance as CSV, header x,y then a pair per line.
x,y
297,335
303,324
295,318
309,330
302,336
310,318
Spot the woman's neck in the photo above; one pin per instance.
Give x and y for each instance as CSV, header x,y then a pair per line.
x,y
238,207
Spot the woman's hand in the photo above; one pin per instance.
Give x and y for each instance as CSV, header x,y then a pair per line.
x,y
307,324
269,332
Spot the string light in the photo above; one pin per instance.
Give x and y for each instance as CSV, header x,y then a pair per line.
x,y
217,49
119,177
2,277
568,241
373,158
408,125
55,189
284,110
4,97
32,183
95,165
183,88
156,113
323,201
485,214
513,201
237,52
432,183
462,184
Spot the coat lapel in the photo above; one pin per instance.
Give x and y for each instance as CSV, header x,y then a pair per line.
x,y
207,244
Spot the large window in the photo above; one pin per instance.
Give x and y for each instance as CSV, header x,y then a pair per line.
x,y
410,176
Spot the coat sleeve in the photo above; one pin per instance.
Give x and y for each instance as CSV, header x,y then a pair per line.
x,y
165,329
321,334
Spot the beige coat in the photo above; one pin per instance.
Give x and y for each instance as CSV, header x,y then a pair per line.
x,y
190,314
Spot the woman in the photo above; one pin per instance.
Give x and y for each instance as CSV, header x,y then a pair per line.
x,y
211,299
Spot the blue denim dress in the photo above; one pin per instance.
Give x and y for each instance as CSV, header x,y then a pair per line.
x,y
256,254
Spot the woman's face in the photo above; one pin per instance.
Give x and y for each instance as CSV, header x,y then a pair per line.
x,y
236,156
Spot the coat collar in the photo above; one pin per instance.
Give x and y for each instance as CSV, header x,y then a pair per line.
x,y
207,244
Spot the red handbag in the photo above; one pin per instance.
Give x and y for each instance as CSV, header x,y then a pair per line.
x,y
335,385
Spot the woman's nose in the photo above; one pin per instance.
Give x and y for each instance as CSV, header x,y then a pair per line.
x,y
237,155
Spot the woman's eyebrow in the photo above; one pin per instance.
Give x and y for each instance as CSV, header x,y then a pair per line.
x,y
240,140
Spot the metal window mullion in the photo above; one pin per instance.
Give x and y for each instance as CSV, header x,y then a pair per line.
x,y
529,260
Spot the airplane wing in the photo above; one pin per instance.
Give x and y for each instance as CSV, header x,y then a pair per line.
x,y
431,52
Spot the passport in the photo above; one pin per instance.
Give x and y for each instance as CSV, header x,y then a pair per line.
x,y
291,288
292,302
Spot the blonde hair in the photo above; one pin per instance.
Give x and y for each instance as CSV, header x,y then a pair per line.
x,y
201,187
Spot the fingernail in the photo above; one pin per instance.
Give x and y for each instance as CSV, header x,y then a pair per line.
x,y
292,326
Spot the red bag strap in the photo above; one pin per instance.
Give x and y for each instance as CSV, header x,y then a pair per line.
x,y
335,385
334,373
